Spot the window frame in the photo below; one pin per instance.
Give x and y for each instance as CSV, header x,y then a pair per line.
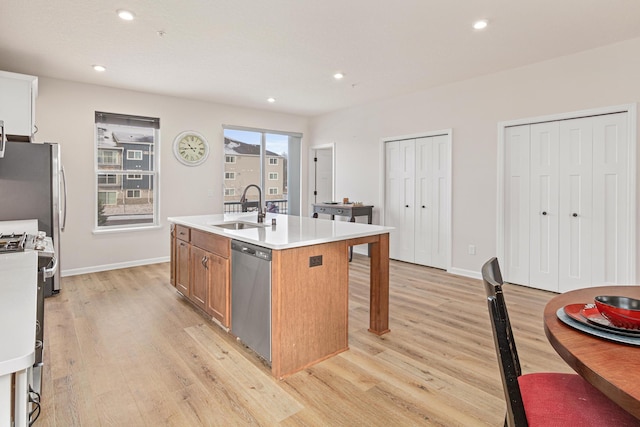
x,y
136,157
145,149
271,193
230,176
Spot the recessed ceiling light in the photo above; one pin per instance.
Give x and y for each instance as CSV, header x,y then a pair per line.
x,y
338,76
481,24
126,15
271,100
99,68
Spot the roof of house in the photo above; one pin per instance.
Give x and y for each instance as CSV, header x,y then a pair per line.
x,y
232,146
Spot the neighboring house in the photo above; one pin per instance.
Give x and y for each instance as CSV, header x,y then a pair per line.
x,y
242,167
130,152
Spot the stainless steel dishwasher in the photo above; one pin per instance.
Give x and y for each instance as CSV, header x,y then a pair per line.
x,y
251,296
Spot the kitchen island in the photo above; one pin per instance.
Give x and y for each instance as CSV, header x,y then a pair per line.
x,y
309,278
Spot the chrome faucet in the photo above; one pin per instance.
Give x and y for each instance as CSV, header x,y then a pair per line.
x,y
243,200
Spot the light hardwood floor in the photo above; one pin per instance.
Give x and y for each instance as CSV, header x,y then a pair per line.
x,y
124,349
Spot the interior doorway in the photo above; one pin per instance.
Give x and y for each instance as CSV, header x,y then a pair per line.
x,y
322,171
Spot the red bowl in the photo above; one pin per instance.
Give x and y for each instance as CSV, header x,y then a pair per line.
x,y
623,312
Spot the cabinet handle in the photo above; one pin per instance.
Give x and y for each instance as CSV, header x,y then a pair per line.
x,y
424,207
575,215
204,262
406,206
544,212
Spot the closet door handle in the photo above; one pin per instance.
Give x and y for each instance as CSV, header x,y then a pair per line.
x,y
544,212
575,215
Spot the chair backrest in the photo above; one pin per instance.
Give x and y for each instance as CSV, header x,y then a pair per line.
x,y
504,342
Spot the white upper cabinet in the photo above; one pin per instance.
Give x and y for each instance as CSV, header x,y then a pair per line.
x,y
18,93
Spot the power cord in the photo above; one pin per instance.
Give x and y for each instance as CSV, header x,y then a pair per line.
x,y
34,398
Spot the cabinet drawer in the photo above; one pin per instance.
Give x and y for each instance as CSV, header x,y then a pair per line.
x,y
211,242
183,233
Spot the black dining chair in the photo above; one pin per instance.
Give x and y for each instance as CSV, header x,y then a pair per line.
x,y
543,399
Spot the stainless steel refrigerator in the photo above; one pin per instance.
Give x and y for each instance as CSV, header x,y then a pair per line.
x,y
32,187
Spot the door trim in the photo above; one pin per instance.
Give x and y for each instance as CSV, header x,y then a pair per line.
x,y
631,110
311,181
383,176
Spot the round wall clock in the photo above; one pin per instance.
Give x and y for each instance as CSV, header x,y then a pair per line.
x,y
191,148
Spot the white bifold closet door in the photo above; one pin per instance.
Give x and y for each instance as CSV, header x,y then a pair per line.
x,y
399,198
566,193
416,192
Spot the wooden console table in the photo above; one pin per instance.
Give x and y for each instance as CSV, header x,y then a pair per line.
x,y
348,210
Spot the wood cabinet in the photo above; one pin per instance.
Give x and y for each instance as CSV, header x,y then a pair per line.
x,y
199,264
211,272
17,103
200,269
172,275
183,250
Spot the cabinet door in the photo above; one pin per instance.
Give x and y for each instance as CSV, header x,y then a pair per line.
x,y
17,102
199,276
575,204
173,246
218,293
399,198
182,267
544,212
516,213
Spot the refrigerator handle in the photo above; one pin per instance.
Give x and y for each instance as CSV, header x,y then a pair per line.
x,y
64,206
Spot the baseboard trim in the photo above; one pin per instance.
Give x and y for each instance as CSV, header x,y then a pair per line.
x,y
115,266
466,273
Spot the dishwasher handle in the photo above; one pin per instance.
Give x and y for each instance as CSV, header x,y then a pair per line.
x,y
249,251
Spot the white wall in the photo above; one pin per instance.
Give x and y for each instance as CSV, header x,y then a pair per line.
x,y
596,78
65,114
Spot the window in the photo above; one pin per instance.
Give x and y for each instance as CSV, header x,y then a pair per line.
x,y
126,168
134,154
107,197
229,175
263,156
108,179
229,191
108,156
229,159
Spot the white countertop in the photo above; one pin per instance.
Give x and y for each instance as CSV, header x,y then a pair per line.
x,y
18,286
289,232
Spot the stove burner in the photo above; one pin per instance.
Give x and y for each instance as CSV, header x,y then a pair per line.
x,y
12,242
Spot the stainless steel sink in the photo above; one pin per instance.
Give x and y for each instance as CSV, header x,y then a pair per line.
x,y
238,225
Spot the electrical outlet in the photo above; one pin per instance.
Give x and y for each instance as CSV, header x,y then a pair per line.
x,y
315,261
472,249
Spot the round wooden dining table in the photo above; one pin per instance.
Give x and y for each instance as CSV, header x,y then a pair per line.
x,y
611,367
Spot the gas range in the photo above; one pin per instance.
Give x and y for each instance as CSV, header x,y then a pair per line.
x,y
13,242
18,242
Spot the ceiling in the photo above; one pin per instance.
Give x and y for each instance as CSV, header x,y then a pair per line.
x,y
240,52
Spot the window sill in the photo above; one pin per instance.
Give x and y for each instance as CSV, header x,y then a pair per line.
x,y
126,229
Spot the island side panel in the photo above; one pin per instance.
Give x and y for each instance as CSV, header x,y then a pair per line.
x,y
309,306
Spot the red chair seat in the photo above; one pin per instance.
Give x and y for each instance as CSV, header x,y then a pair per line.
x,y
567,400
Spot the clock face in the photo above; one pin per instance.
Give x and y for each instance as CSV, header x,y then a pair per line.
x,y
191,148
